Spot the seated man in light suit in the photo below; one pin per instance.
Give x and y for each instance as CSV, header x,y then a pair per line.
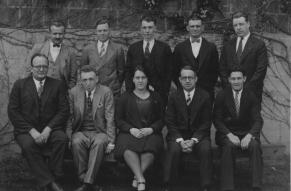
x,y
238,121
91,128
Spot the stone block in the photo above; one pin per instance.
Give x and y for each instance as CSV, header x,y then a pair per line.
x,y
9,16
19,3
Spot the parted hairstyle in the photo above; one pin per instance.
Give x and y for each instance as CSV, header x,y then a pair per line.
x,y
38,55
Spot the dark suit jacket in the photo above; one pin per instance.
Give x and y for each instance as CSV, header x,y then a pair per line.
x,y
176,117
66,61
110,66
226,119
102,108
206,63
127,114
27,111
158,66
254,61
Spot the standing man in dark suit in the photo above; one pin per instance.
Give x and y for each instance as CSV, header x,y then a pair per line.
x,y
238,122
188,119
247,52
91,129
107,57
199,53
38,109
155,58
62,58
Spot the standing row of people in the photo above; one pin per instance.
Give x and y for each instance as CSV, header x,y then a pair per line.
x,y
38,106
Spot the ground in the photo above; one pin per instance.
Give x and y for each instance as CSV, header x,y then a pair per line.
x,y
15,176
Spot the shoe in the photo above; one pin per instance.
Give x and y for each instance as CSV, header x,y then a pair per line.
x,y
140,186
53,186
134,183
84,187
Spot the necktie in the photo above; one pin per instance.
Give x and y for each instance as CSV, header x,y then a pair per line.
x,y
89,100
188,100
236,102
147,50
102,49
239,49
40,88
197,40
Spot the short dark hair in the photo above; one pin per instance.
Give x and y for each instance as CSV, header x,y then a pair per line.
x,y
148,18
57,24
193,17
239,14
139,68
38,55
236,69
102,20
89,68
189,67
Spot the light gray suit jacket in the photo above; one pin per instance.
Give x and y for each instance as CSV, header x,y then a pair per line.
x,y
103,110
66,61
110,66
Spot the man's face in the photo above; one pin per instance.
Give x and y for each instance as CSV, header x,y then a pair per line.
x,y
39,68
195,28
57,34
188,80
102,32
89,80
236,80
148,30
241,26
140,80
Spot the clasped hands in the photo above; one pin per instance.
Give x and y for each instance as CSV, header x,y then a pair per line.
x,y
244,143
187,145
40,138
139,133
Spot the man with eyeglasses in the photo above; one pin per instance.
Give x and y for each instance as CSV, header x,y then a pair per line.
x,y
188,119
38,109
62,58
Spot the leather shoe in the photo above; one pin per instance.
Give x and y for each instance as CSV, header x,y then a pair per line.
x,y
84,187
53,186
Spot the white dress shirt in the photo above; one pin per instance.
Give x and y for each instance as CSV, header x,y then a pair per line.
x,y
99,44
54,51
196,46
92,94
244,41
37,83
152,42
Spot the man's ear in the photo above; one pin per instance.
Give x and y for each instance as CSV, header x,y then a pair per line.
x,y
245,78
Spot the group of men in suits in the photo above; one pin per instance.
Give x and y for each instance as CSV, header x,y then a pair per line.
x,y
39,106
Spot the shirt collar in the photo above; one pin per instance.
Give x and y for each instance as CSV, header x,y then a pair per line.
x,y
245,38
92,92
191,93
52,46
200,38
99,43
151,42
239,92
37,82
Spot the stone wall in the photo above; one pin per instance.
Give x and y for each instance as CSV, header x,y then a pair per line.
x,y
24,22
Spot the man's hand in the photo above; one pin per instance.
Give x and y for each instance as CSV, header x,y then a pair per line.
x,y
136,133
246,141
36,136
234,139
146,131
109,148
45,134
185,146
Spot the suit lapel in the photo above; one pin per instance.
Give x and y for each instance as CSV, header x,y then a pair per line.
x,y
31,88
247,49
202,52
46,50
188,50
243,102
195,105
46,91
183,104
81,100
96,100
232,51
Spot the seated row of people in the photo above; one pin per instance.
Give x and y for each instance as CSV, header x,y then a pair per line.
x,y
39,111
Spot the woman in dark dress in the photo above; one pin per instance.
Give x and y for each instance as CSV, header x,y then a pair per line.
x,y
139,117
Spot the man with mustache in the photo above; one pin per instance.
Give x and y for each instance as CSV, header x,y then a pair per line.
x,y
62,58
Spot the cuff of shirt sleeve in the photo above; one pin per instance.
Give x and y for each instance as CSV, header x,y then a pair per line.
x,y
195,140
178,140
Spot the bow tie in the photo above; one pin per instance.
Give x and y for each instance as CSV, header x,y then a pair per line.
x,y
57,45
193,40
